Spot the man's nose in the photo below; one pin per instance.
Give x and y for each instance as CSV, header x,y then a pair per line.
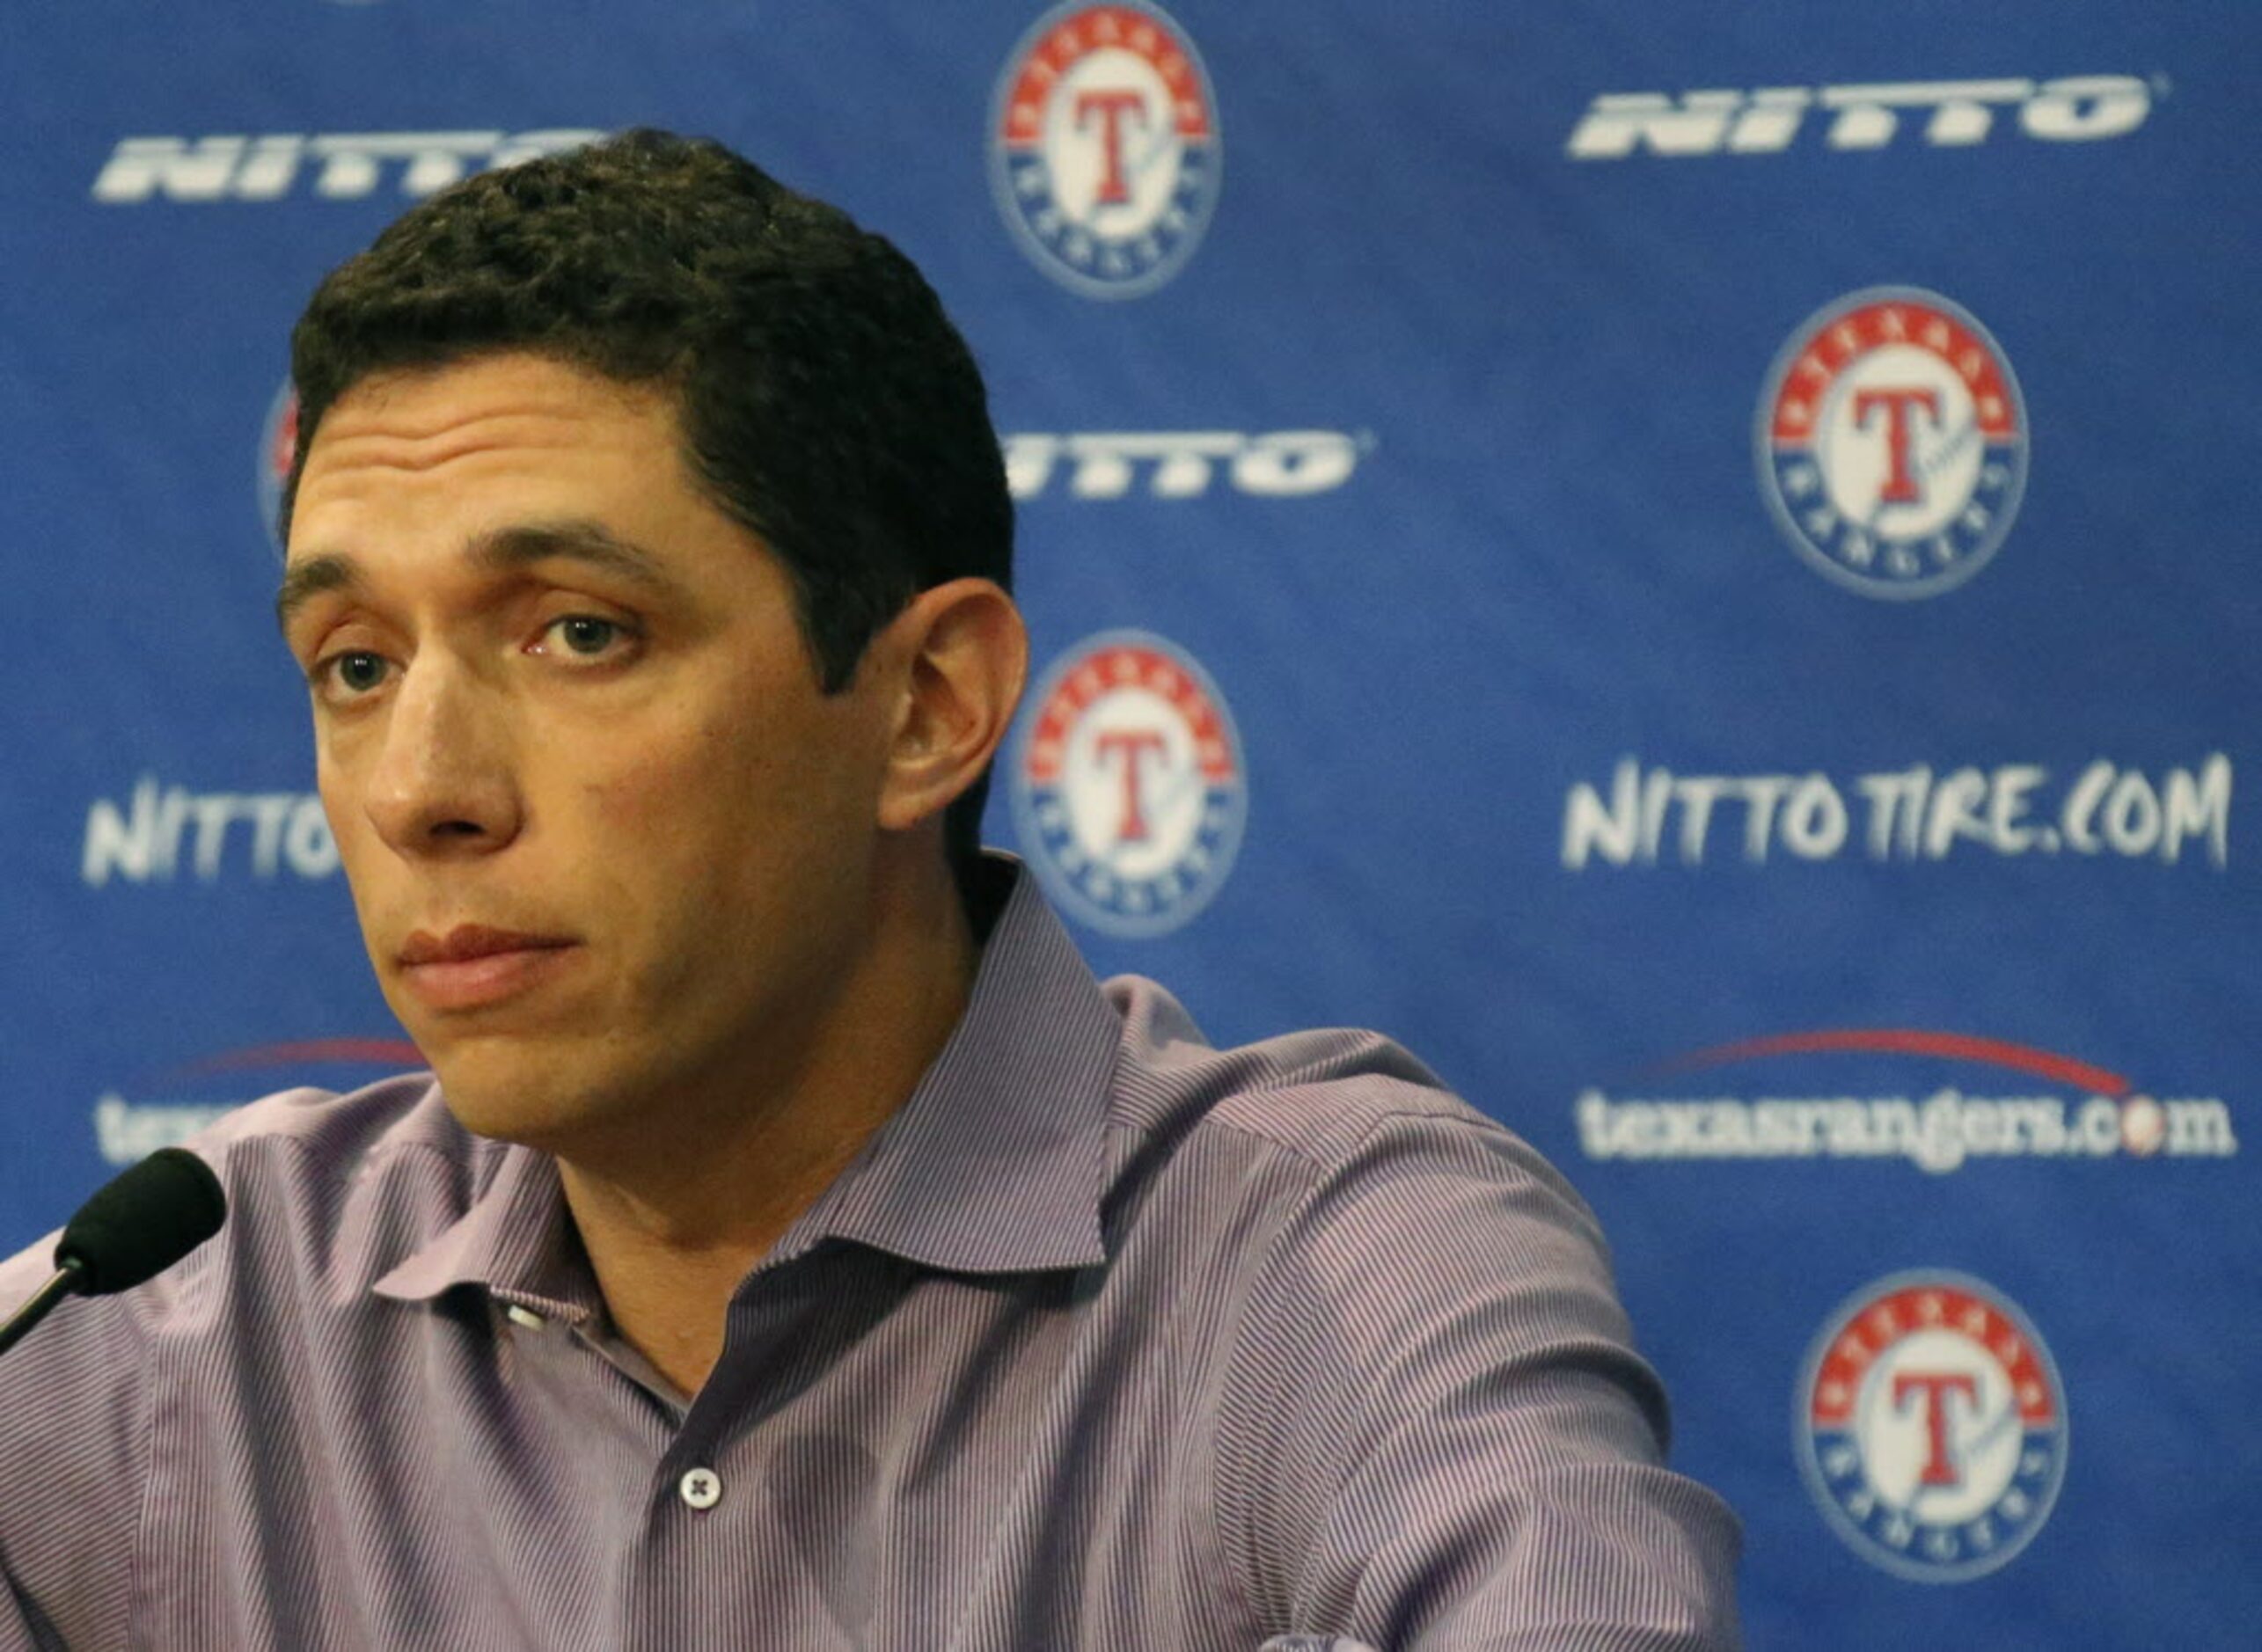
x,y
445,780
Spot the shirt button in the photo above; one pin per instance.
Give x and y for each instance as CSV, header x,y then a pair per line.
x,y
526,1317
701,1487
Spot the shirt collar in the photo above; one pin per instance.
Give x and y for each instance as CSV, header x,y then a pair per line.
x,y
514,1240
994,1164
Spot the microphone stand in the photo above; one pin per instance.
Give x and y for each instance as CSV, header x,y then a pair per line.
x,y
67,1279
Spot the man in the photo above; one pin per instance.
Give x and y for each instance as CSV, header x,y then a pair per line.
x,y
797,1248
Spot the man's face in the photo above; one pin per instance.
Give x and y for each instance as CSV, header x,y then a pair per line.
x,y
609,844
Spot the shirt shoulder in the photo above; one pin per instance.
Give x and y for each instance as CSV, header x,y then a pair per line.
x,y
343,1128
334,1187
1321,1097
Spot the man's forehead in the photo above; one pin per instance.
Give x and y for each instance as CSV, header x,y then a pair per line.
x,y
531,435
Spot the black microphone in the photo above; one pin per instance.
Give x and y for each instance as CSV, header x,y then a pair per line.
x,y
136,1227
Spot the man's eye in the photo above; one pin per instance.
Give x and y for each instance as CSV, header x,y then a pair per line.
x,y
356,673
586,634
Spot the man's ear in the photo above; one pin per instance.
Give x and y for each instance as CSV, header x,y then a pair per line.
x,y
964,655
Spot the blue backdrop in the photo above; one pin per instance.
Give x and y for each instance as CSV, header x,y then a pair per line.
x,y
1692,563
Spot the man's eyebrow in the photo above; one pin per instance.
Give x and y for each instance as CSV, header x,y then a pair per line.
x,y
304,580
505,550
500,551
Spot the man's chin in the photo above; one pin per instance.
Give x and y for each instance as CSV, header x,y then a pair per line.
x,y
504,1097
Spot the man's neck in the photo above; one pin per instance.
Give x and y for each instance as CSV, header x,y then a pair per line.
x,y
674,1224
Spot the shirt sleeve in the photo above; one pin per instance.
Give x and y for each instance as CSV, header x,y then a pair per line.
x,y
73,1459
1435,1432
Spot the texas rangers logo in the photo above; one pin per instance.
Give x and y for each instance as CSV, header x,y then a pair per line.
x,y
1103,147
1931,1426
278,446
1128,792
1892,443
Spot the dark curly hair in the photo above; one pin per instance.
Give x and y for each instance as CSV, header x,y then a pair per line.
x,y
827,402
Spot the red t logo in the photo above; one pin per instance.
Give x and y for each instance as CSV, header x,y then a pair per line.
x,y
1936,1386
1133,745
1111,107
1900,486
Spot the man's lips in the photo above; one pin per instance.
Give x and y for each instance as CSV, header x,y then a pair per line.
x,y
473,965
468,941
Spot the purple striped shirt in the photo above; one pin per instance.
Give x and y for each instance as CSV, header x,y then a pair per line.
x,y
1107,1339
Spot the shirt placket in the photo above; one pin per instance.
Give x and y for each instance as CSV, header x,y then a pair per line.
x,y
714,1568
